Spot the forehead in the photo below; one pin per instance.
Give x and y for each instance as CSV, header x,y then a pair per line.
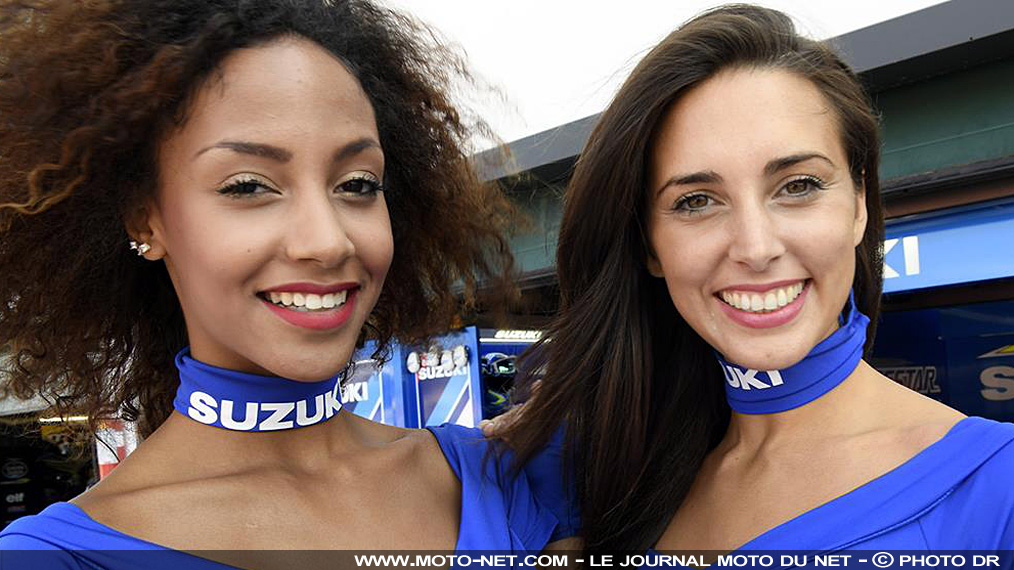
x,y
287,86
742,118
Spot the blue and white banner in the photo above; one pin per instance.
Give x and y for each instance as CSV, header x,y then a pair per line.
x,y
447,381
958,245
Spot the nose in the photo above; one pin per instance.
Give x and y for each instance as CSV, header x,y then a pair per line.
x,y
755,241
316,232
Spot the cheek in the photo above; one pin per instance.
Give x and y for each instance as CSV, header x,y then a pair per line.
x,y
209,254
687,258
825,240
374,242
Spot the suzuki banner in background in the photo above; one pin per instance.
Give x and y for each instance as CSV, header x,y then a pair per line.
x,y
374,391
419,386
947,247
446,380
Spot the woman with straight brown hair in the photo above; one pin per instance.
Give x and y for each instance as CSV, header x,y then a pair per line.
x,y
719,264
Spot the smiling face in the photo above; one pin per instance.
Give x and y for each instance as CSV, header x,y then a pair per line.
x,y
753,217
269,214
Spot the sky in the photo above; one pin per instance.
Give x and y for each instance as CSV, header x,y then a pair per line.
x,y
548,62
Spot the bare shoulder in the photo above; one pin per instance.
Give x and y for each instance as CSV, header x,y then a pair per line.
x,y
924,426
414,451
154,510
912,420
401,444
127,491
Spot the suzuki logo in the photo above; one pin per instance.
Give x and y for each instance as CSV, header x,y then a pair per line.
x,y
747,379
357,392
911,246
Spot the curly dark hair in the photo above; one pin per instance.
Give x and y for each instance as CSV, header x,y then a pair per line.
x,y
87,91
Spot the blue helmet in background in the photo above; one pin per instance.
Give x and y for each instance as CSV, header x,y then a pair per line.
x,y
498,364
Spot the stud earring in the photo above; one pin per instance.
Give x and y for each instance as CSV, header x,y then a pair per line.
x,y
140,248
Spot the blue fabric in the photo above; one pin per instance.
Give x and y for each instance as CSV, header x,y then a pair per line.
x,y
956,494
239,401
498,512
534,504
830,362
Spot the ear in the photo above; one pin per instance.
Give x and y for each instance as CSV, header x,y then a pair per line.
x,y
144,225
859,224
653,265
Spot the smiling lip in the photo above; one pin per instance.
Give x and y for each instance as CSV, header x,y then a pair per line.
x,y
312,288
320,320
762,288
767,319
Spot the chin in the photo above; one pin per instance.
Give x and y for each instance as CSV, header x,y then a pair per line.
x,y
763,360
310,370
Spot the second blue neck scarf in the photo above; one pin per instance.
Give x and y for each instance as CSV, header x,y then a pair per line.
x,y
830,362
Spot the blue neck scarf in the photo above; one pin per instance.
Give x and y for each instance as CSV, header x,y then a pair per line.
x,y
830,362
247,402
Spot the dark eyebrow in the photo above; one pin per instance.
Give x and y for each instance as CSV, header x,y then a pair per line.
x,y
772,167
786,161
279,154
702,177
256,149
355,147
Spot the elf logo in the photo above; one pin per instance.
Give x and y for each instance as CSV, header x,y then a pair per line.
x,y
207,410
748,380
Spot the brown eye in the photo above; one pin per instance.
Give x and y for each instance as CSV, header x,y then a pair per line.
x,y
692,203
245,187
801,187
797,187
697,202
361,185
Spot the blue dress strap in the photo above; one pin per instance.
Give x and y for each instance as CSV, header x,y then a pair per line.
x,y
553,486
499,511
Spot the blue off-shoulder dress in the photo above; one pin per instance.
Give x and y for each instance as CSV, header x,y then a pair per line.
x,y
957,494
499,512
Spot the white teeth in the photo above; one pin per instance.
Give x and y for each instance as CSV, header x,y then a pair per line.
x,y
767,301
770,301
308,301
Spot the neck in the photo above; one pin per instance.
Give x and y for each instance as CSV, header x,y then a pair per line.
x,y
852,406
310,449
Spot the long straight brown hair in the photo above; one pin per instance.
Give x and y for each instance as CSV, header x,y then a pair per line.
x,y
638,390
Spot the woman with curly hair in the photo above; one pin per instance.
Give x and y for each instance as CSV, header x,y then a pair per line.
x,y
205,207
